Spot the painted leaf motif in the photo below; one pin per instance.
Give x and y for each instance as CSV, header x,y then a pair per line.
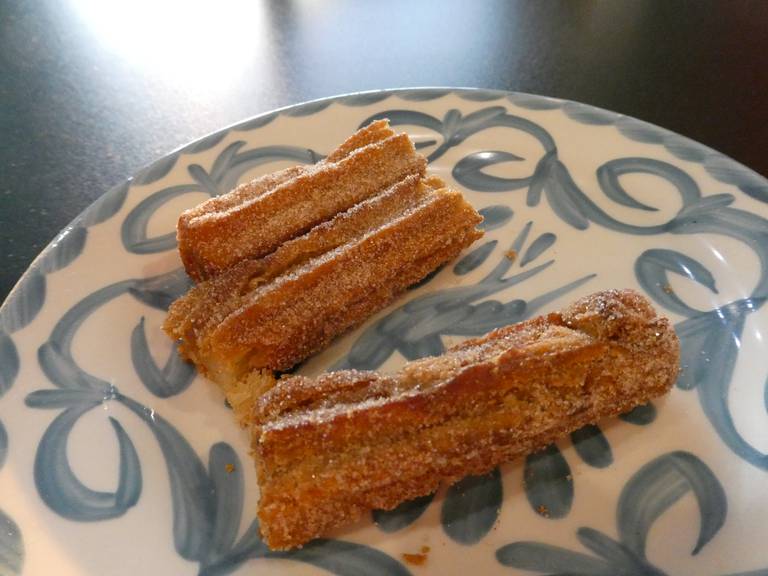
x,y
758,191
471,507
623,560
638,130
422,95
696,336
205,180
709,347
160,291
157,170
552,559
335,556
192,491
55,355
709,344
726,170
469,172
589,114
479,95
60,488
542,243
364,98
23,303
406,118
475,258
564,196
222,163
258,122
67,397
533,102
765,395
63,371
640,415
227,477
400,117
64,249
699,214
134,228
249,546
369,352
592,446
609,174
11,547
3,444
427,279
227,177
495,216
207,142
652,268
106,206
685,148
175,376
345,558
68,325
428,345
307,109
403,515
415,328
9,362
661,483
548,483
472,123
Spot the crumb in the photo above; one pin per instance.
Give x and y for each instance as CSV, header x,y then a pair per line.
x,y
425,549
543,510
511,255
229,468
415,559
668,289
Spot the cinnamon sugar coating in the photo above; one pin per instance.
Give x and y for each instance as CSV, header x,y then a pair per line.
x,y
257,217
331,448
275,311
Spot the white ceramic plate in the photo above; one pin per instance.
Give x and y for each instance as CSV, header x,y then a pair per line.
x,y
115,457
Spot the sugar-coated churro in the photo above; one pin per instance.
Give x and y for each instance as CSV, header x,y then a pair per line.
x,y
329,449
275,311
257,217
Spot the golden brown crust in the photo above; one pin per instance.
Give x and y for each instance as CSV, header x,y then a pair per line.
x,y
376,131
354,441
373,132
257,217
275,311
206,305
297,314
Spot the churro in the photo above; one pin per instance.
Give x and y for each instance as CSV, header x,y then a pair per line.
x,y
257,217
273,312
329,449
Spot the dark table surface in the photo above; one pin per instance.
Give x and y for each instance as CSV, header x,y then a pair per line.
x,y
91,91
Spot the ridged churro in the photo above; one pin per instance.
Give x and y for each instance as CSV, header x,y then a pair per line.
x,y
257,217
331,448
275,311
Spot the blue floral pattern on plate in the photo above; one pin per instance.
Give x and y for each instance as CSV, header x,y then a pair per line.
x,y
545,202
